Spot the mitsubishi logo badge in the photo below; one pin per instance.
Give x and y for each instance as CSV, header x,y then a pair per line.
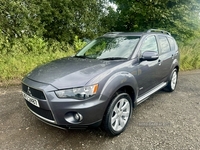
x,y
29,91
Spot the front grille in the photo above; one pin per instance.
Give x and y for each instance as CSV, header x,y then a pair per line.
x,y
42,112
33,92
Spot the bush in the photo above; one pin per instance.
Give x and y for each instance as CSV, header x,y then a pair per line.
x,y
20,55
16,66
78,44
190,55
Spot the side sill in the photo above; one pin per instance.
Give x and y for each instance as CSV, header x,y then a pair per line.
x,y
146,95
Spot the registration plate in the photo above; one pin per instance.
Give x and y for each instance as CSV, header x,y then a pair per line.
x,y
31,99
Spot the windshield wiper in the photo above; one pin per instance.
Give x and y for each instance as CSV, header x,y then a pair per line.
x,y
86,57
80,56
114,58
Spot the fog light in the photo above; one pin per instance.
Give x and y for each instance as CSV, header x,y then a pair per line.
x,y
78,116
73,117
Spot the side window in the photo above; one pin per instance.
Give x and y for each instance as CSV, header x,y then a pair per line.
x,y
164,44
172,44
149,44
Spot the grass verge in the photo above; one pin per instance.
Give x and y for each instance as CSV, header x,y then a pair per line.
x,y
14,67
190,56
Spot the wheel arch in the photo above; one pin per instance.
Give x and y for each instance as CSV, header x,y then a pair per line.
x,y
175,65
120,82
129,90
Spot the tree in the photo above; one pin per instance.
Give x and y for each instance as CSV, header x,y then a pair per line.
x,y
71,17
177,16
61,20
19,18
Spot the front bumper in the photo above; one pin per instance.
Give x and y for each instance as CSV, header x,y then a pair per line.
x,y
60,112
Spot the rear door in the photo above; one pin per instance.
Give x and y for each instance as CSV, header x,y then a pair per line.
x,y
166,57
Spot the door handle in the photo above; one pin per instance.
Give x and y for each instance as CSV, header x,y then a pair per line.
x,y
159,62
172,56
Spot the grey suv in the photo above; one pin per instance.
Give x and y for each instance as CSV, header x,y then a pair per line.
x,y
101,83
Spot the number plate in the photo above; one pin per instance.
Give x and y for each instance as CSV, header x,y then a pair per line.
x,y
31,99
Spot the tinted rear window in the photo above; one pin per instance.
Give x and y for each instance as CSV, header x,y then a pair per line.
x,y
164,44
172,44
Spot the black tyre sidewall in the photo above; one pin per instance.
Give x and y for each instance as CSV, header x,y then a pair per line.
x,y
107,120
169,87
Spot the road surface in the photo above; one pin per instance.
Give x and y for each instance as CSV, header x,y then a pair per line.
x,y
164,121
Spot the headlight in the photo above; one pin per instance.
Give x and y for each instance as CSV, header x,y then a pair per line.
x,y
78,93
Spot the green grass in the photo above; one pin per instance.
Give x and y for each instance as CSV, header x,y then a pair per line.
x,y
20,55
190,56
16,66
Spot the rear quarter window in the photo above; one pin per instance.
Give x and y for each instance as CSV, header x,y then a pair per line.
x,y
164,44
173,44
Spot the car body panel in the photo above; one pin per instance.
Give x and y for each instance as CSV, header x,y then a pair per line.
x,y
61,73
147,75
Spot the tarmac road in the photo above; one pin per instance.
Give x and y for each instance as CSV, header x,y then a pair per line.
x,y
164,121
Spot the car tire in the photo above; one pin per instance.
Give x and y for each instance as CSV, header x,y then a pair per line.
x,y
118,114
172,82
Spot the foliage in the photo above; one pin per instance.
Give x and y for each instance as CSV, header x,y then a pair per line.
x,y
190,55
69,18
24,54
78,44
60,20
179,17
16,66
20,17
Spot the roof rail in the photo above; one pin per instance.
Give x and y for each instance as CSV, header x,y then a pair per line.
x,y
158,30
112,33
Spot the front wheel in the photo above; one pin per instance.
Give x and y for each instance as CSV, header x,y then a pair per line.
x,y
173,81
118,114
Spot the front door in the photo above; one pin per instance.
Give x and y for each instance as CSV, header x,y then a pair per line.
x,y
148,70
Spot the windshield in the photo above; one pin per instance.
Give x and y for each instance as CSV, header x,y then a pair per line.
x,y
109,48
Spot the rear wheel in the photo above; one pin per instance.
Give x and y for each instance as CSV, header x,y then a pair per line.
x,y
118,114
173,81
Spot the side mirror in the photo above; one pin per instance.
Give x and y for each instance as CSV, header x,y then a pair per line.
x,y
149,56
86,40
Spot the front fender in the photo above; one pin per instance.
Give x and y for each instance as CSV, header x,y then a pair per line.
x,y
117,81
